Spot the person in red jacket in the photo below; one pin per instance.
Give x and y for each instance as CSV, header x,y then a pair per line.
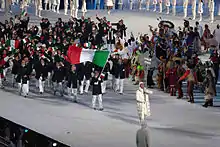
x,y
191,77
171,74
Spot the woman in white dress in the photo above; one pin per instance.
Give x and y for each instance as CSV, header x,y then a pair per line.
x,y
143,103
200,9
109,4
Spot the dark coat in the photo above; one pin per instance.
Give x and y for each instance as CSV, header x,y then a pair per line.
x,y
41,71
15,67
22,75
59,74
106,70
96,83
72,79
120,71
88,68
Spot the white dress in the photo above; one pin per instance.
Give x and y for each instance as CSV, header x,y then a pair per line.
x,y
109,3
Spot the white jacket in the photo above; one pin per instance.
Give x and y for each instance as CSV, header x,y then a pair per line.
x,y
143,103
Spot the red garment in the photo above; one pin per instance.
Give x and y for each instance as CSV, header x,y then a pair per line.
x,y
171,74
187,74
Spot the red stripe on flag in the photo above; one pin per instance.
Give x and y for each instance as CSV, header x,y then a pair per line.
x,y
74,54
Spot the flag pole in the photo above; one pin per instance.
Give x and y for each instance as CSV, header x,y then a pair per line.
x,y
105,64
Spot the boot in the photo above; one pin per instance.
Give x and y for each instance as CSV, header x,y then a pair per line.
x,y
171,91
206,104
211,102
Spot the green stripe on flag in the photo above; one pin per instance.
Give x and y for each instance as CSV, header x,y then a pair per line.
x,y
100,58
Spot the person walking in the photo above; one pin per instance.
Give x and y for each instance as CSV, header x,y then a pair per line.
x,y
143,103
72,83
210,90
142,136
96,91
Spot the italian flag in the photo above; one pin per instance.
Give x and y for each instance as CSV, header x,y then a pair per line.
x,y
25,40
13,43
78,55
23,13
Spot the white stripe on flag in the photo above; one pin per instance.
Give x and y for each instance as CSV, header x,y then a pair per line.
x,y
87,55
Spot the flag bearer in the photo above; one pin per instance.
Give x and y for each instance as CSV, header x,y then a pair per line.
x,y
72,83
22,79
96,91
120,76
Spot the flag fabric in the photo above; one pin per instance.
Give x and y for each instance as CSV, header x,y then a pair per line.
x,y
78,55
13,44
23,13
25,40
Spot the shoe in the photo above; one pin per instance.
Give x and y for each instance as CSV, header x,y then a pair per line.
x,y
121,93
54,93
94,108
25,96
41,93
75,101
101,109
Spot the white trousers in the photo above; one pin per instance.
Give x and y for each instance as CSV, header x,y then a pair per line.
x,y
161,7
74,5
155,7
49,79
168,9
72,92
84,10
139,4
5,72
23,89
200,16
194,13
58,87
94,98
185,12
212,16
24,4
41,85
119,85
2,4
38,5
148,5
131,5
104,84
66,6
86,87
113,82
174,10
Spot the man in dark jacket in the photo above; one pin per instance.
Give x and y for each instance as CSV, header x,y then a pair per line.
x,y
120,76
96,91
72,83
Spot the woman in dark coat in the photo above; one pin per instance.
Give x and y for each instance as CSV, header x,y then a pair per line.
x,y
58,77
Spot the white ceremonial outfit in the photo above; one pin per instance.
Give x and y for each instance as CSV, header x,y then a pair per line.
x,y
168,6
174,7
143,103
211,10
131,4
38,5
54,4
58,6
48,3
194,9
200,10
84,10
148,5
161,6
185,7
2,4
24,4
41,85
155,5
74,5
66,7
139,4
